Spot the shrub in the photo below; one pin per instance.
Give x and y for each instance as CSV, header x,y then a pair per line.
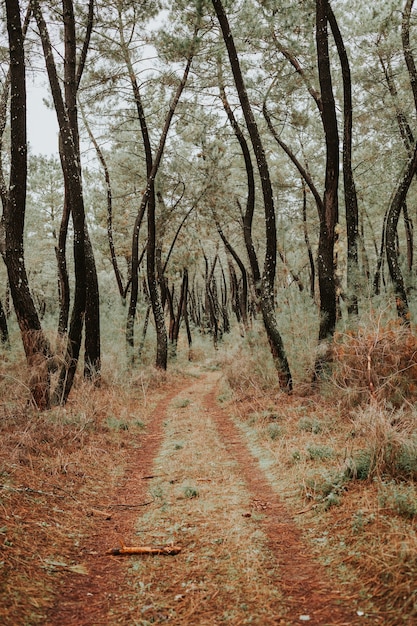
x,y
326,488
378,362
310,425
319,453
392,446
274,431
400,498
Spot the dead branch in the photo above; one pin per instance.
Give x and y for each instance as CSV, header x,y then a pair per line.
x,y
128,550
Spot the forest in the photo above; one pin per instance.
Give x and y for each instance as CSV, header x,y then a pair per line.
x,y
211,168
233,183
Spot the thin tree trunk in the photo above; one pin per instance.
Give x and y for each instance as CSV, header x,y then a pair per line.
x,y
150,193
35,344
351,199
148,200
243,306
71,170
391,235
247,216
4,331
308,244
268,278
109,197
72,78
329,216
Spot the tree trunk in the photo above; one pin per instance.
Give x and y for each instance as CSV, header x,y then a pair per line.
x,y
148,200
308,244
35,344
243,301
268,278
71,169
391,236
109,196
351,199
72,78
247,216
63,280
329,215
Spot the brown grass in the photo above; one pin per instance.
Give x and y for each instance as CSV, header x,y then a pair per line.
x,y
56,467
377,361
315,447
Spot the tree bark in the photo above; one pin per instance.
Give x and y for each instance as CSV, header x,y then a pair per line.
x,y
71,169
268,277
247,216
4,330
148,200
351,199
243,300
329,215
72,78
109,197
35,344
391,239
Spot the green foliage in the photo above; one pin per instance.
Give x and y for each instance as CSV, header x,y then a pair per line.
x,y
191,492
115,423
275,431
401,498
360,467
319,452
326,488
360,520
182,403
391,446
310,425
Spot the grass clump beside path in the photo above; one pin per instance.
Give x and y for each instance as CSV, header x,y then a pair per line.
x,y
345,464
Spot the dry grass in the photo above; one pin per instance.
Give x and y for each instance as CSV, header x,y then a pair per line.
x,y
224,573
55,468
378,361
344,462
346,471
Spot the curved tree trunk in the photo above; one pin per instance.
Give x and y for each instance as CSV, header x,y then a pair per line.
x,y
109,196
391,239
268,277
351,199
150,193
35,344
148,200
72,78
71,170
247,216
243,301
329,215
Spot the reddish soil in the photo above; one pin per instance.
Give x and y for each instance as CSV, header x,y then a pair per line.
x,y
88,600
307,588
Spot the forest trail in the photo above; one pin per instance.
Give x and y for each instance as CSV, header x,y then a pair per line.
x,y
194,483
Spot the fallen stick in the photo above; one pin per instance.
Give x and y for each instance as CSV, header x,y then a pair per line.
x,y
97,513
126,550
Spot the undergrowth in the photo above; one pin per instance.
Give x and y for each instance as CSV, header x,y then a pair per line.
x,y
345,459
56,468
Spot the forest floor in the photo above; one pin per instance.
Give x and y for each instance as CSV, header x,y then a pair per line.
x,y
176,467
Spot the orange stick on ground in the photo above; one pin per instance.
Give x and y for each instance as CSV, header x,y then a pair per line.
x,y
126,550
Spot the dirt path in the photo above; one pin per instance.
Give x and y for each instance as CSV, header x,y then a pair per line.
x,y
243,560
